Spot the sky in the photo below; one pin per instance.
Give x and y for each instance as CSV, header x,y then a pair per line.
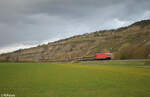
x,y
28,23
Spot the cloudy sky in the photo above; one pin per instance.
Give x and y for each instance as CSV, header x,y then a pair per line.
x,y
27,23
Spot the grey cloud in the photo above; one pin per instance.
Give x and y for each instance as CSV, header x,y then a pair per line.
x,y
22,21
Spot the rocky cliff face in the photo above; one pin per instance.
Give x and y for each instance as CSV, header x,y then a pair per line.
x,y
128,42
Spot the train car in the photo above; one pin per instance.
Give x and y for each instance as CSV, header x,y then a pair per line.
x,y
104,56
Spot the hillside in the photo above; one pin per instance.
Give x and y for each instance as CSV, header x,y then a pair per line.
x,y
132,42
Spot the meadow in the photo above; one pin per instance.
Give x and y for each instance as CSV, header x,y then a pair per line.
x,y
76,79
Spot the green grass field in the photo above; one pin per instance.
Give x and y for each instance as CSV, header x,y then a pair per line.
x,y
83,79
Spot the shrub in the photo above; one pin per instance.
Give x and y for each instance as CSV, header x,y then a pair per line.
x,y
133,51
123,51
75,61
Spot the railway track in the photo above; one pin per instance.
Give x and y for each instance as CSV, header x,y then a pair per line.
x,y
92,59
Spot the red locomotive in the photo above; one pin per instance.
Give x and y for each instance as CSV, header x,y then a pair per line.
x,y
105,55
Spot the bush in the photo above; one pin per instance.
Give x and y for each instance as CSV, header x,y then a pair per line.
x,y
133,51
75,61
123,53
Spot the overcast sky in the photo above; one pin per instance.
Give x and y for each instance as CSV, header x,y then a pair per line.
x,y
26,23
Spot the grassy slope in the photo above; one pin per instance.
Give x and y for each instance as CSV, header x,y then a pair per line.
x,y
84,79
